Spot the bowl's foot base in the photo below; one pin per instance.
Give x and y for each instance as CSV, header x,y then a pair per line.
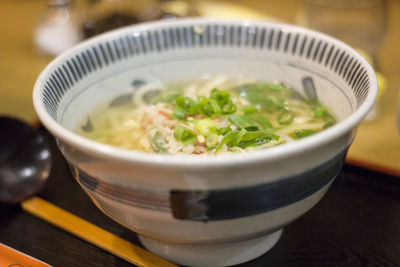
x,y
212,255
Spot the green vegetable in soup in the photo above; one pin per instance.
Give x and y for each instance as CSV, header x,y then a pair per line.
x,y
197,118
184,135
298,134
158,143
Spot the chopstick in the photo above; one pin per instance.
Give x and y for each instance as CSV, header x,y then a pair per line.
x,y
93,234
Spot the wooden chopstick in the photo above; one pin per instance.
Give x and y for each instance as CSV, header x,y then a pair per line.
x,y
93,234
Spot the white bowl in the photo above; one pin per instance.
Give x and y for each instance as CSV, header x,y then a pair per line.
x,y
206,210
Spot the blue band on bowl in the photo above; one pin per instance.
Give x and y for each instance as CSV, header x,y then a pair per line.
x,y
209,205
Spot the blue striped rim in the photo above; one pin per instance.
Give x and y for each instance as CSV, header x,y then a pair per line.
x,y
189,36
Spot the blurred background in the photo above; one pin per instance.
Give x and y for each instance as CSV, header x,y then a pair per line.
x,y
32,32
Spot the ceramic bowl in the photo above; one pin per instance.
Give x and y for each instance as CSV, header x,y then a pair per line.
x,y
205,210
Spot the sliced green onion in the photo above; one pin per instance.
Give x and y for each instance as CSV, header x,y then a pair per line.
x,y
270,96
248,110
211,140
319,112
184,106
239,138
216,108
255,142
209,107
188,104
298,134
250,91
179,113
158,143
253,97
229,137
262,122
206,127
224,101
243,122
273,103
184,135
257,138
286,117
222,97
253,135
229,108
328,118
224,130
328,124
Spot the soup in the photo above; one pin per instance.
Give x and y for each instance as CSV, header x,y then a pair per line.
x,y
207,117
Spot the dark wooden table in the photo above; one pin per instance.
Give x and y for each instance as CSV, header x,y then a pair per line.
x,y
356,224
